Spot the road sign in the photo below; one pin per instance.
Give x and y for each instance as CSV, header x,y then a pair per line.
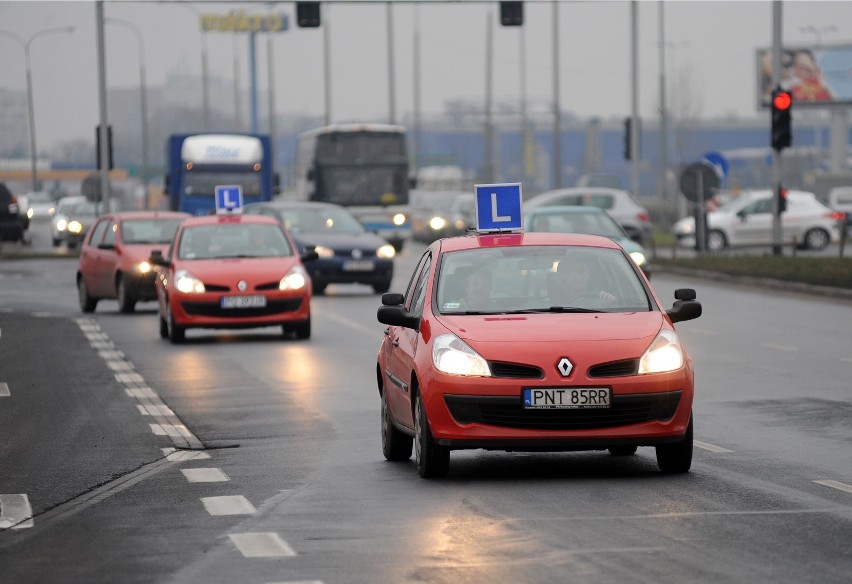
x,y
498,207
229,199
717,159
699,181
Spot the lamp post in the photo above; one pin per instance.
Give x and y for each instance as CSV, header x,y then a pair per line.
x,y
143,90
25,44
205,83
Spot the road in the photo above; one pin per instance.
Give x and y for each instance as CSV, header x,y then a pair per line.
x,y
278,474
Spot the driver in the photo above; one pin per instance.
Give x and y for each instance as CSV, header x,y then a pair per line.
x,y
571,281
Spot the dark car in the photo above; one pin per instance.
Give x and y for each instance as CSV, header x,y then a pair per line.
x,y
12,223
348,253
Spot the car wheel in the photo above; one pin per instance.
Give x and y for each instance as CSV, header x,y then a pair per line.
x,y
176,333
433,461
676,458
303,329
318,289
87,303
382,287
126,302
56,242
816,239
395,445
164,328
716,240
623,450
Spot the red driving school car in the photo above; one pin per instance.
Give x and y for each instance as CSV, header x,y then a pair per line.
x,y
532,342
232,271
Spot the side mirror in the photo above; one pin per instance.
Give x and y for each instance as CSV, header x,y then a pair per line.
x,y
309,254
397,316
685,294
157,258
685,306
392,299
742,215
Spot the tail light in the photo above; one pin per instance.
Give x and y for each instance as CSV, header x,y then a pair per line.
x,y
837,215
643,217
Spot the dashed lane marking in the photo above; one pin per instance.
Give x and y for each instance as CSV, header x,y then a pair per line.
x,y
205,475
710,447
15,512
4,390
154,410
228,505
261,545
175,455
836,485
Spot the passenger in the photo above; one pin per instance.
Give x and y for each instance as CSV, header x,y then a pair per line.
x,y
571,282
477,292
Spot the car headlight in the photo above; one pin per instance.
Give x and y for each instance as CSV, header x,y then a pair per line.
x,y
385,252
143,267
685,228
75,227
61,224
437,223
187,283
296,279
452,355
30,213
638,257
324,252
664,354
399,219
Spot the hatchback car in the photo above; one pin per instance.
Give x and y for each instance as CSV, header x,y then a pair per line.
x,y
620,204
347,252
114,257
61,217
747,220
232,272
487,349
588,220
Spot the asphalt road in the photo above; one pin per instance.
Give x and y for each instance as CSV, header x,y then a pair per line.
x,y
279,475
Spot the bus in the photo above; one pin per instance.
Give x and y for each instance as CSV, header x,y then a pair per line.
x,y
363,167
198,163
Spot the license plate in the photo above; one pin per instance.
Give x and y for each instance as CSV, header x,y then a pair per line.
x,y
243,301
566,398
358,266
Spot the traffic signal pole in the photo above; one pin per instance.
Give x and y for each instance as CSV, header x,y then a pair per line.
x,y
776,166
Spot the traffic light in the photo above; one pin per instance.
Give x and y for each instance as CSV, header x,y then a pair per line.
x,y
782,134
628,138
511,13
782,198
109,147
308,14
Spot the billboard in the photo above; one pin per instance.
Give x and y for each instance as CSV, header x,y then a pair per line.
x,y
815,76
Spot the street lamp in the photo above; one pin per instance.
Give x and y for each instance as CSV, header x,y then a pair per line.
x,y
142,97
25,44
204,67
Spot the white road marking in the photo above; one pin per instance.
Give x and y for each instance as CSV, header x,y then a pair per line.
x,y
205,475
836,485
261,545
175,455
15,512
710,447
106,355
121,365
102,345
92,336
4,390
141,392
228,505
170,430
783,348
129,378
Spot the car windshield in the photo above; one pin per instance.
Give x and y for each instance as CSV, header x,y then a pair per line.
x,y
233,240
149,230
320,220
530,279
568,222
732,205
82,208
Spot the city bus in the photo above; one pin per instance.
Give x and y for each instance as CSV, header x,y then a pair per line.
x,y
363,167
198,163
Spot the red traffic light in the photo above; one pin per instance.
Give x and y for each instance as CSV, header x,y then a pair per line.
x,y
782,100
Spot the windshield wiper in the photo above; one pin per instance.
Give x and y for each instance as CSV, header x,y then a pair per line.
x,y
575,309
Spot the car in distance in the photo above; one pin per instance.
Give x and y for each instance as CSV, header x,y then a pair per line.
x,y
40,205
620,204
347,252
521,366
840,199
12,224
114,257
588,220
61,216
232,272
434,213
747,220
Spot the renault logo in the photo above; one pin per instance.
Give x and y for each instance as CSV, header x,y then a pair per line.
x,y
565,366
242,285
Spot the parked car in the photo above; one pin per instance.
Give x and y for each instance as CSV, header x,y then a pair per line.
x,y
620,204
588,220
12,223
114,259
747,220
840,199
348,253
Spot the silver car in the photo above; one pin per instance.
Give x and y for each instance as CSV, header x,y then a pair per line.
x,y
747,220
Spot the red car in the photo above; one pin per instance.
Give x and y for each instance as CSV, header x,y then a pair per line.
x,y
114,257
233,271
533,342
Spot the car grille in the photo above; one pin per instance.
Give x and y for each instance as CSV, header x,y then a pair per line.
x,y
615,369
508,412
515,370
214,309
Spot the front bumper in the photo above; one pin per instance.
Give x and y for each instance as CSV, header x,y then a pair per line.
x,y
205,310
334,271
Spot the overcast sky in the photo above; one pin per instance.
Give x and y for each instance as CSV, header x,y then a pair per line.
x,y
711,43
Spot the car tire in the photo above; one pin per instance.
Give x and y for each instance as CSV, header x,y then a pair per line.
x,y
433,460
396,446
623,450
318,289
56,242
87,303
126,302
816,239
176,333
716,240
303,329
382,287
164,327
676,458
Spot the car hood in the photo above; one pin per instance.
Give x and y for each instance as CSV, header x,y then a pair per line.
x,y
228,271
142,251
369,241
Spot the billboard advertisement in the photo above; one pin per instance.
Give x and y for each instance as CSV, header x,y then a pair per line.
x,y
815,76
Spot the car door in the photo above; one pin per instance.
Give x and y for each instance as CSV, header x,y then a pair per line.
x,y
402,345
754,224
91,259
106,265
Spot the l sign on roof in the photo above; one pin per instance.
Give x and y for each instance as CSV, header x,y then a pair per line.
x,y
229,199
498,207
